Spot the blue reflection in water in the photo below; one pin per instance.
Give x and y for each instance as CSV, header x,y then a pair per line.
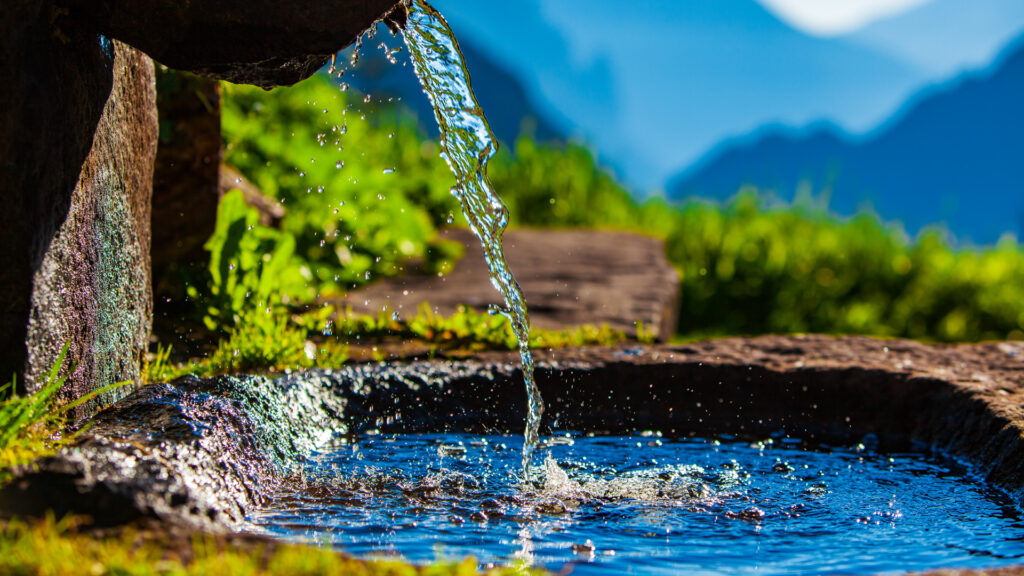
x,y
649,506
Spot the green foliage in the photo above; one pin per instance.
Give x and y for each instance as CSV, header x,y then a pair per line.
x,y
321,339
251,268
33,426
553,187
51,547
749,269
262,343
470,329
745,267
363,190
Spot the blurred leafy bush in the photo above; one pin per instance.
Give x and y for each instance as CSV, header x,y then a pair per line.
x,y
363,190
750,269
366,197
252,267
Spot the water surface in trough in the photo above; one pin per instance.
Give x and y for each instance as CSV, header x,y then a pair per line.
x,y
647,505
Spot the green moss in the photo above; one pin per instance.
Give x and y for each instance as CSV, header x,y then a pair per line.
x,y
55,548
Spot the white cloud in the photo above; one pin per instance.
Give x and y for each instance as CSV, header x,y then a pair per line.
x,y
834,17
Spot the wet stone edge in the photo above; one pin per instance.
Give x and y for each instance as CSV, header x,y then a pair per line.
x,y
202,453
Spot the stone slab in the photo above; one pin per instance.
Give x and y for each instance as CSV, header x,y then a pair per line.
x,y
569,278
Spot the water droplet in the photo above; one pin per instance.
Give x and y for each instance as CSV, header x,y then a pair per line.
x,y
339,164
389,170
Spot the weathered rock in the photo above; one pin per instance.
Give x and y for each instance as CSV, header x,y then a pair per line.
x,y
197,453
262,42
569,278
55,82
964,399
78,148
78,126
92,289
200,453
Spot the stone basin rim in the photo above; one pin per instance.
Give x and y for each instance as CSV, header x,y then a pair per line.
x,y
965,400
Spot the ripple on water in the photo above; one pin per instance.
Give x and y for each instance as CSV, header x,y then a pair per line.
x,y
649,505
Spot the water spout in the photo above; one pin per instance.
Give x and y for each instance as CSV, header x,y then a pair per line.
x,y
467,144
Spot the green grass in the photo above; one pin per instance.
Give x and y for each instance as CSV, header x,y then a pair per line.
x,y
34,425
56,548
276,341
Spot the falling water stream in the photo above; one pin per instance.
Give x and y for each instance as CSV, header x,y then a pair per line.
x,y
467,144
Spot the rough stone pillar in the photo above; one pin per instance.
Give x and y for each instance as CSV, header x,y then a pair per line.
x,y
78,136
92,288
67,265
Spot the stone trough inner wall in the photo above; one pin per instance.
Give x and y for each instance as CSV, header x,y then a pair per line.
x,y
202,453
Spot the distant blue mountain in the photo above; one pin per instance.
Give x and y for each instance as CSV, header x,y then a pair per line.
x,y
953,155
944,37
652,84
501,96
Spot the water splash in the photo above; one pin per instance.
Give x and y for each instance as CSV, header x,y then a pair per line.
x,y
467,144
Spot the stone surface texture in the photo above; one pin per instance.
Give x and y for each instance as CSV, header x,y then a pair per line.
x,y
55,80
201,452
195,454
92,290
79,131
569,278
263,42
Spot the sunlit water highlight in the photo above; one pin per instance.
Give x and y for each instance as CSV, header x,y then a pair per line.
x,y
644,505
467,144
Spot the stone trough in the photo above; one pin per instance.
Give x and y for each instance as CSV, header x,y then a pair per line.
x,y
201,453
